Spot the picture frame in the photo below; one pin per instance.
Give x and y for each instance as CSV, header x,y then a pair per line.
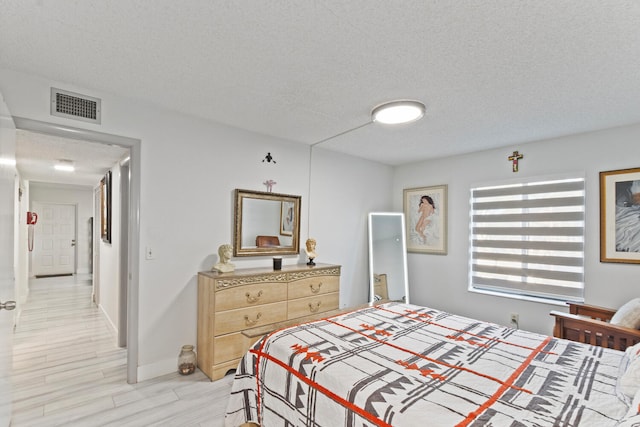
x,y
426,225
287,218
619,216
105,207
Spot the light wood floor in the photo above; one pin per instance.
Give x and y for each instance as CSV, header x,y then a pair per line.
x,y
68,371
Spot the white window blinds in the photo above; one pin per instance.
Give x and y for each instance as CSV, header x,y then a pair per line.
x,y
528,239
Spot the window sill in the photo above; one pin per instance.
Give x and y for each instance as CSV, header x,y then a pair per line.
x,y
523,297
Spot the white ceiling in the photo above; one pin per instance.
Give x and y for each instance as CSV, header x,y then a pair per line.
x,y
492,73
36,155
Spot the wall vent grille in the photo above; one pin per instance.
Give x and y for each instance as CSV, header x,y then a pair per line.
x,y
75,106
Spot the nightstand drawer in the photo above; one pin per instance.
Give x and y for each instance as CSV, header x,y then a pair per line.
x,y
307,306
313,286
250,295
229,321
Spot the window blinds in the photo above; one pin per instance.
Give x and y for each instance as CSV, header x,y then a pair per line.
x,y
528,239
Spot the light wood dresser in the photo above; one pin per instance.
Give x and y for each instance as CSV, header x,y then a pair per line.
x,y
229,303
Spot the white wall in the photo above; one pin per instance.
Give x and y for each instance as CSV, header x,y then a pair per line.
x,y
190,168
22,249
344,190
77,195
109,270
441,281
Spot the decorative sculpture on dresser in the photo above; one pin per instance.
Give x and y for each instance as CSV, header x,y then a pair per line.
x,y
311,250
224,266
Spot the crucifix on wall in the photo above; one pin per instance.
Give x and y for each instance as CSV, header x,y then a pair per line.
x,y
514,160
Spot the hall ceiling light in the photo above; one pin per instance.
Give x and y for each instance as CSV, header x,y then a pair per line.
x,y
64,166
398,112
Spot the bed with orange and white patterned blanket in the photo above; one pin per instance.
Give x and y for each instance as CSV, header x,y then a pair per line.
x,y
404,365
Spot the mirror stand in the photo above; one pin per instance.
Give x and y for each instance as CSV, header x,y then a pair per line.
x,y
388,277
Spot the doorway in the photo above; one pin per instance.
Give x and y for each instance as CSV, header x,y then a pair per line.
x,y
129,234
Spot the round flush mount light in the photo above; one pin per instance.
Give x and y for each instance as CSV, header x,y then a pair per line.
x,y
398,112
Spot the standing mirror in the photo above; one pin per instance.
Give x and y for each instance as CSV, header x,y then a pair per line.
x,y
387,257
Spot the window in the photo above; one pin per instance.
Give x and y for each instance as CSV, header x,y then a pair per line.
x,y
527,239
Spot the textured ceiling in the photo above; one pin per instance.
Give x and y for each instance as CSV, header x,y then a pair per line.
x,y
492,73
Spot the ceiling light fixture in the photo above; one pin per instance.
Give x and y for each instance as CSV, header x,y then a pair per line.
x,y
398,112
64,166
7,161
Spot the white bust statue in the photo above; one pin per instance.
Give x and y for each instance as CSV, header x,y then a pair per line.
x,y
311,250
224,266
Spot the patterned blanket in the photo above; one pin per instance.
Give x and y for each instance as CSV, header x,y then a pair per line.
x,y
404,365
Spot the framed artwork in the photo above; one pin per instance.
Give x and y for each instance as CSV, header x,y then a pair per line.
x,y
620,216
105,208
425,211
287,218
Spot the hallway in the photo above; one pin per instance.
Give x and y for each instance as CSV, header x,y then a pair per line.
x,y
68,371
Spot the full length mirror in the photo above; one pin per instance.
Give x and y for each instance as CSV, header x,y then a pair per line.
x,y
387,257
266,223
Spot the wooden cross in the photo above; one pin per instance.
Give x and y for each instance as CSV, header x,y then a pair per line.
x,y
514,159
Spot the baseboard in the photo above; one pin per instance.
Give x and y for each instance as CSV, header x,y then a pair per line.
x,y
40,276
157,369
110,325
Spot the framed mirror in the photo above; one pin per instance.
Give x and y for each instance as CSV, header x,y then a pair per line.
x,y
266,223
387,257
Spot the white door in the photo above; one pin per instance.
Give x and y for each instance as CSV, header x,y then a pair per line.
x,y
54,240
7,287
9,197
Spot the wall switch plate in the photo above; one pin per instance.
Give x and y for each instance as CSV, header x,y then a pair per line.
x,y
149,253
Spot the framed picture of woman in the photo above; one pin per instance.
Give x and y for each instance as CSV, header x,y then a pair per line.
x,y
425,210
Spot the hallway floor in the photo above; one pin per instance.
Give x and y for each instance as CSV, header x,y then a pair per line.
x,y
68,370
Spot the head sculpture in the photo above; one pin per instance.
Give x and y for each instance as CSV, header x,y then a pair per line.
x,y
224,252
311,245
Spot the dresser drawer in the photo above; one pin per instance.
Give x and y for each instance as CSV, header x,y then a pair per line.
x,y
229,321
317,304
250,295
231,346
313,286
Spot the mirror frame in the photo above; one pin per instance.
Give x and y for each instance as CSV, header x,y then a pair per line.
x,y
402,236
240,196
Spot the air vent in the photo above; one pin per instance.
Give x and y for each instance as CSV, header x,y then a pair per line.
x,y
75,106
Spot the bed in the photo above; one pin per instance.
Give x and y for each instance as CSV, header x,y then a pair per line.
x,y
592,325
398,364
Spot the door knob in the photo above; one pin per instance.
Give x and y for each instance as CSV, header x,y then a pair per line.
x,y
9,305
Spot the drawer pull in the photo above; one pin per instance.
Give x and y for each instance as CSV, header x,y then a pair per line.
x,y
315,290
251,322
251,299
315,308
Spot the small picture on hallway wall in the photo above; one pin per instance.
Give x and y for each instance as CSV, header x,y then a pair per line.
x,y
425,210
620,216
105,207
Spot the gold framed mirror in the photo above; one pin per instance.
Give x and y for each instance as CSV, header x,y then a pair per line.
x,y
266,223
